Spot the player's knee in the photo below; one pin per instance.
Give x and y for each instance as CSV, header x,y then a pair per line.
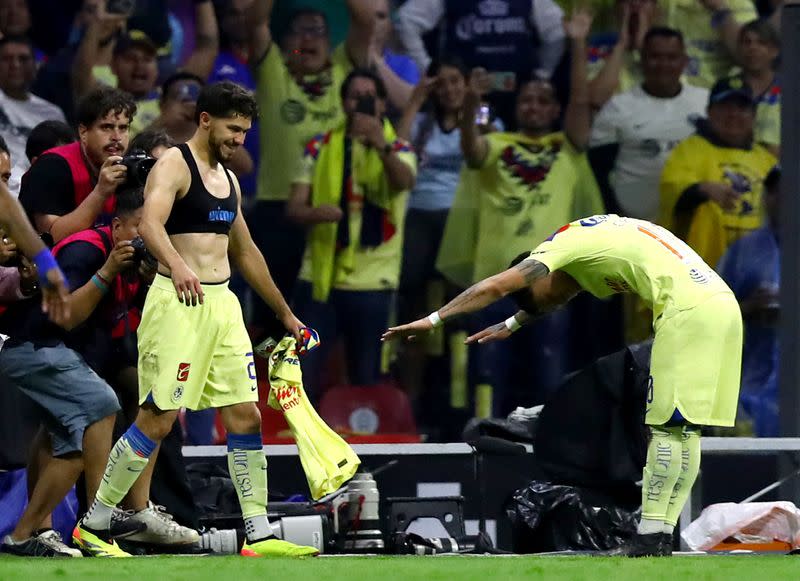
x,y
243,419
155,424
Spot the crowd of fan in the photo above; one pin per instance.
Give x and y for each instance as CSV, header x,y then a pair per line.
x,y
439,140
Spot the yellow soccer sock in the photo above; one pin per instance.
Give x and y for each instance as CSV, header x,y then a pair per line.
x,y
690,467
661,472
248,468
127,459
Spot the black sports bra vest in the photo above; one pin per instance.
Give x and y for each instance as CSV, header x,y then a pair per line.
x,y
199,211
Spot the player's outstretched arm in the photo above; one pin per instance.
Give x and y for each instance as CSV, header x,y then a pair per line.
x,y
500,331
475,298
55,293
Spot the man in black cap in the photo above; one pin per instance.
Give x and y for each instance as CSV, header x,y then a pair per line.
x,y
133,59
712,182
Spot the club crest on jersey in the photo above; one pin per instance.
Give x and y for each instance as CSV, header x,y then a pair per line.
x,y
183,371
177,394
530,171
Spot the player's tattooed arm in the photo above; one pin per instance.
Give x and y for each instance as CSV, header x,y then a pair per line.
x,y
514,280
531,270
476,297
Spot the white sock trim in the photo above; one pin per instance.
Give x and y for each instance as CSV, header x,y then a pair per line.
x,y
649,526
98,516
257,527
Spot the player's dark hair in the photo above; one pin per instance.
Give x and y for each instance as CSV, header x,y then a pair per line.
x,y
4,146
523,297
47,135
129,201
226,99
100,102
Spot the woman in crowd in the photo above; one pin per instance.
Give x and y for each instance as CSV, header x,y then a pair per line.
x,y
430,122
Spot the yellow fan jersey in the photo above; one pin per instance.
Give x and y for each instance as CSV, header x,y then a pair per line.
x,y
710,229
524,190
292,115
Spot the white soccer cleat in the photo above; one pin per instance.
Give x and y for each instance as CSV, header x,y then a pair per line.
x,y
161,528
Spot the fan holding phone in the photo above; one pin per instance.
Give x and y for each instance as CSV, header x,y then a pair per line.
x,y
352,192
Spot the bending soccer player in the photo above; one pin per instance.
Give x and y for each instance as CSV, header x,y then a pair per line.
x,y
194,350
697,350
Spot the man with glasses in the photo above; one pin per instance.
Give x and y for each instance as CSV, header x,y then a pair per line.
x,y
20,111
298,86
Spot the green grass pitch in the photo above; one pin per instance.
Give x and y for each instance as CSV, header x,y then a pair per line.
x,y
466,568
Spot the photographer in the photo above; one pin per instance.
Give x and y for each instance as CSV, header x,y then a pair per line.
x,y
352,193
72,187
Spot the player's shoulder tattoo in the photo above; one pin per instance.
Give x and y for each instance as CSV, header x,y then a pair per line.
x,y
532,269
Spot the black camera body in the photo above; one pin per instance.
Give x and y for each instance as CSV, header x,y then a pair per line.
x,y
138,164
141,254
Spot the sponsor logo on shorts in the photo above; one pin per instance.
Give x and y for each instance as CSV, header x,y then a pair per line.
x,y
177,394
183,371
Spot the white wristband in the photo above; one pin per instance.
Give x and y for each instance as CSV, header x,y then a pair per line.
x,y
435,319
512,324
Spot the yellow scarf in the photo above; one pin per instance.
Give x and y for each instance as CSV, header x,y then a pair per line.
x,y
328,461
327,188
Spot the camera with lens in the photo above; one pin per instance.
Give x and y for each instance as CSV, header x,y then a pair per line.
x,y
16,261
138,164
141,254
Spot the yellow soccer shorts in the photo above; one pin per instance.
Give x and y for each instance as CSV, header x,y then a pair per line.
x,y
194,357
696,364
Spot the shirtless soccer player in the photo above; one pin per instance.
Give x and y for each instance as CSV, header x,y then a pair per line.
x,y
697,349
194,351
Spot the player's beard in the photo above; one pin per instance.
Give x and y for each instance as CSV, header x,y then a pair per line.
x,y
216,147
